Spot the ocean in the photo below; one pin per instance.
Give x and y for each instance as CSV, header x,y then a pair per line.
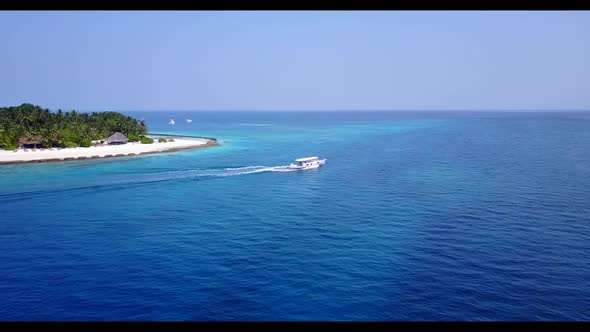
x,y
416,216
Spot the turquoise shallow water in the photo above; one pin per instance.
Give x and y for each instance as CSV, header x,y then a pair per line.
x,y
415,216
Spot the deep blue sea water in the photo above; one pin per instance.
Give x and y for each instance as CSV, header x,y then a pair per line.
x,y
415,216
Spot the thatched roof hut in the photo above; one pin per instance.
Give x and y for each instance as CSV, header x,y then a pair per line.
x,y
30,141
117,138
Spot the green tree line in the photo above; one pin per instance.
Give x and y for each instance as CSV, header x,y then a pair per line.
x,y
65,129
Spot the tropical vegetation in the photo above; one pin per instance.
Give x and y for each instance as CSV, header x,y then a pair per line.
x,y
146,140
27,122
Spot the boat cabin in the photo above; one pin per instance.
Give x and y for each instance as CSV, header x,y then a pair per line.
x,y
304,161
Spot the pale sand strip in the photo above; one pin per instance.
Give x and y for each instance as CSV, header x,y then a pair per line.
x,y
129,149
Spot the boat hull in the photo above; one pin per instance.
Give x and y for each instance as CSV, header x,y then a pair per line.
x,y
309,166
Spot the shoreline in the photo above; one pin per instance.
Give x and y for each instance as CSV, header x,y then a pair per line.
x,y
107,151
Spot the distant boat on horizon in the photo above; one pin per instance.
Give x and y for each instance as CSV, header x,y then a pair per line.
x,y
171,122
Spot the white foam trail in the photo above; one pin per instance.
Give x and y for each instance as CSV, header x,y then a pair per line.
x,y
163,176
219,172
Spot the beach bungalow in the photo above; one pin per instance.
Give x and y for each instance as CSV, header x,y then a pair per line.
x,y
30,142
117,138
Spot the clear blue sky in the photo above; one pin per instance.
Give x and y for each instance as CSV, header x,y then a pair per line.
x,y
295,60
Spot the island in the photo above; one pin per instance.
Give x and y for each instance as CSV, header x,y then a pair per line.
x,y
29,133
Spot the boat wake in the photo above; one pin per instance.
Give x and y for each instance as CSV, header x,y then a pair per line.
x,y
115,181
196,173
226,171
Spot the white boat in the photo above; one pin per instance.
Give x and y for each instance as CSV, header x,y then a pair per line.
x,y
189,120
307,163
171,122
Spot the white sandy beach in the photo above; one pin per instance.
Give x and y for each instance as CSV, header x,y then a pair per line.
x,y
129,149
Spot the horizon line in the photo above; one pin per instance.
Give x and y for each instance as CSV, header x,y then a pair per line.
x,y
351,110
115,109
